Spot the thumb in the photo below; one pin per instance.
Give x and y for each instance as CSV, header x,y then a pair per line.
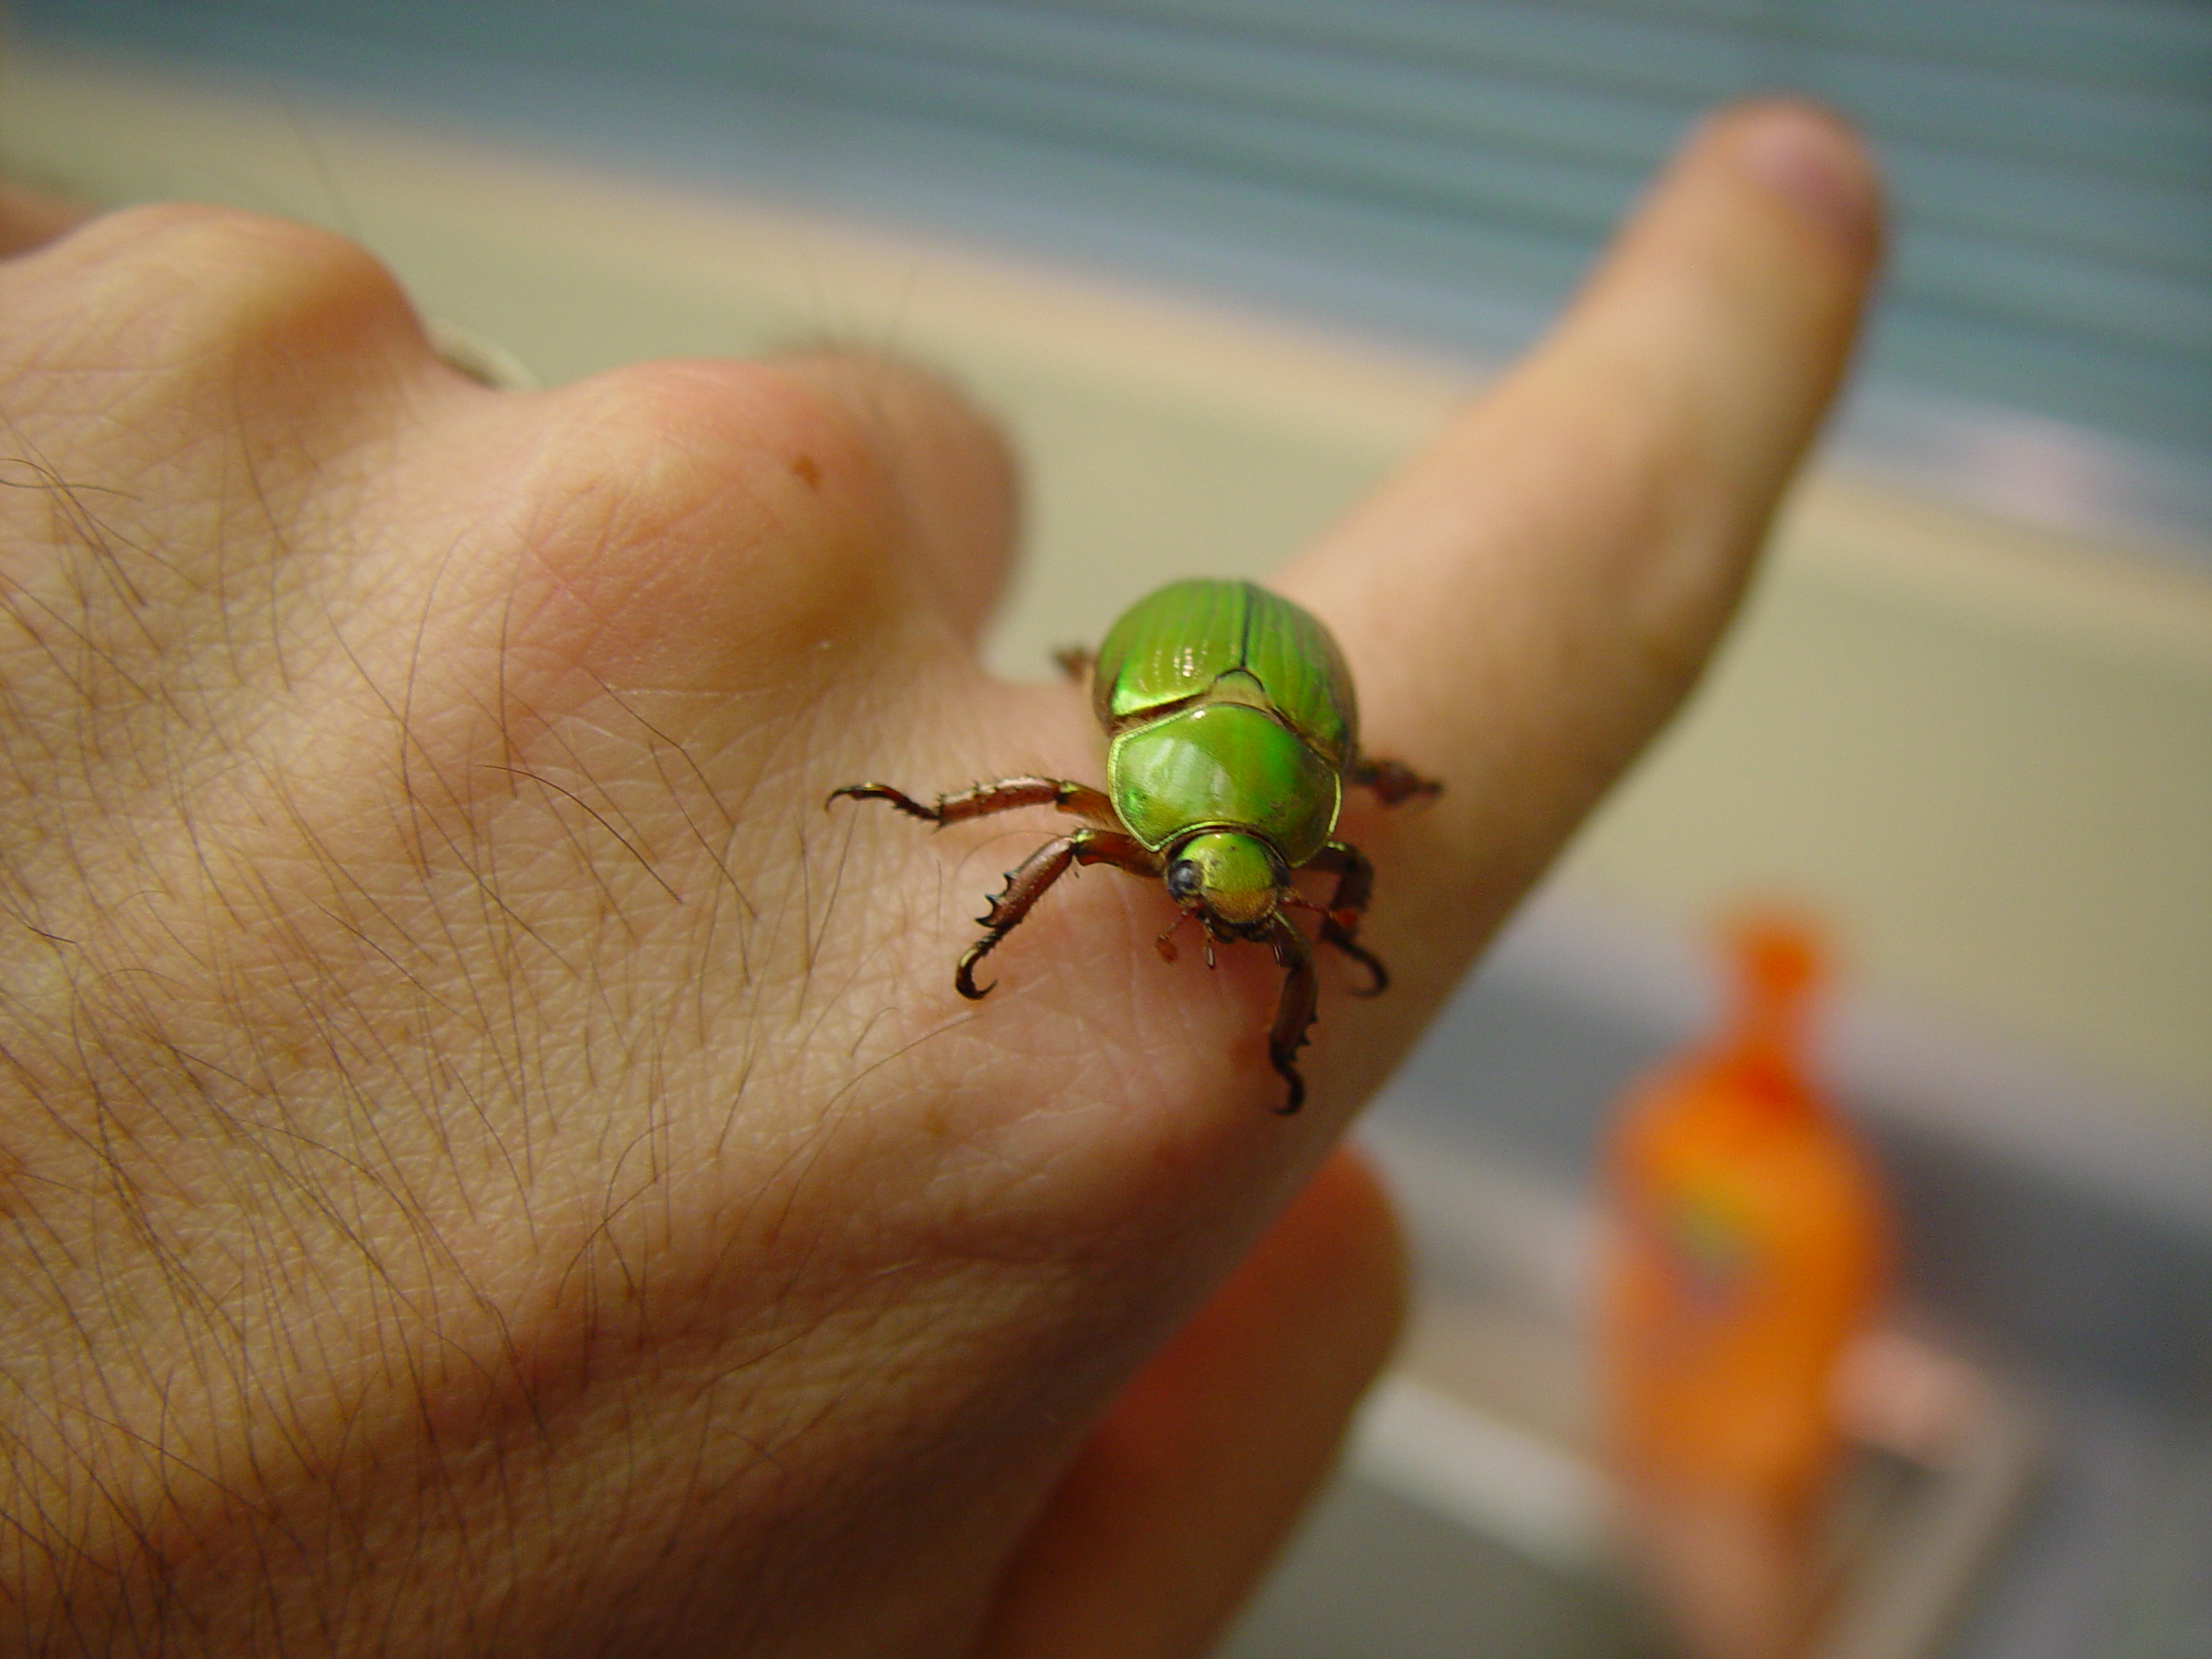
x,y
1171,1511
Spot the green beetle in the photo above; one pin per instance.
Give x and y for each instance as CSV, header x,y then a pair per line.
x,y
1232,731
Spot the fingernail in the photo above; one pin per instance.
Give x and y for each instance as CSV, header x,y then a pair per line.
x,y
1811,160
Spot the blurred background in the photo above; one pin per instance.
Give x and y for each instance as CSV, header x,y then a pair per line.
x,y
1216,264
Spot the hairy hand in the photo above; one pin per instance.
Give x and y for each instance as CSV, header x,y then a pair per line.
x,y
487,1164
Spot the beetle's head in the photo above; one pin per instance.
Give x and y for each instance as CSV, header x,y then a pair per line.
x,y
1233,883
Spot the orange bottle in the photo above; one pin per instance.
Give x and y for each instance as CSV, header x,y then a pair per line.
x,y
1751,1244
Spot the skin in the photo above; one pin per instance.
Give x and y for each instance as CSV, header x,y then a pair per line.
x,y
488,1164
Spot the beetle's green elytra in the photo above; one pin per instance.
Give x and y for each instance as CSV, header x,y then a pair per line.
x,y
1177,645
1231,731
1226,766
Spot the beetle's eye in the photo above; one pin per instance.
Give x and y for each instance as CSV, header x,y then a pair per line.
x,y
1183,878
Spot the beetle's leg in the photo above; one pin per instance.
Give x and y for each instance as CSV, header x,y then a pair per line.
x,y
1341,921
980,800
1026,885
1075,662
1393,781
1301,991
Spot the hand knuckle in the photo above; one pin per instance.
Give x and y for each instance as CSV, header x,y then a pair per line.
x,y
722,447
218,281
676,501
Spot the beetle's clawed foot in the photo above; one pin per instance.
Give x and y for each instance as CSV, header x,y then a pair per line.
x,y
899,798
963,976
1287,1070
1378,979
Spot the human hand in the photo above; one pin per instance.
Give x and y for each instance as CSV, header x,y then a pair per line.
x,y
489,1165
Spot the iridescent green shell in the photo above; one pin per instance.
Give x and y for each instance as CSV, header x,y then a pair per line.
x,y
1175,646
1223,766
1229,708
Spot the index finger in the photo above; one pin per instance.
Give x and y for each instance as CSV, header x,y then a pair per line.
x,y
1527,600
31,218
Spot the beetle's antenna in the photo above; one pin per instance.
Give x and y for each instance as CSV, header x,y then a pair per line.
x,y
1293,900
1166,943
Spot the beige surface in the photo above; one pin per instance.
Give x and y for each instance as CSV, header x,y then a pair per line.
x,y
1987,749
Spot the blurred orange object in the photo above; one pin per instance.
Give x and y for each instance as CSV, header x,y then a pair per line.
x,y
1750,1245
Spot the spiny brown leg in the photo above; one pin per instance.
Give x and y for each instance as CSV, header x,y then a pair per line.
x,y
980,800
1026,885
1355,887
1301,990
1075,662
1393,781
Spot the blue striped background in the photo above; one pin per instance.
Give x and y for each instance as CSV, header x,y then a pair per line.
x,y
1439,168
